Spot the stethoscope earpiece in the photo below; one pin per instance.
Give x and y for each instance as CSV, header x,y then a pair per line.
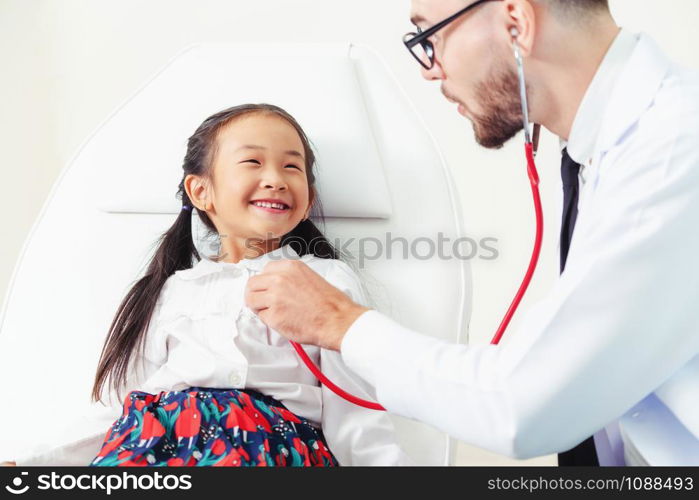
x,y
522,84
514,33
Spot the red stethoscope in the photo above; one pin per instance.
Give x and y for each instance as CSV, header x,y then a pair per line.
x,y
530,147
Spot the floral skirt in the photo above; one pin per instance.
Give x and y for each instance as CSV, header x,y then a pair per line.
x,y
220,427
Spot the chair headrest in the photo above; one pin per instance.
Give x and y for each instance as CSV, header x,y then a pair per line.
x,y
146,140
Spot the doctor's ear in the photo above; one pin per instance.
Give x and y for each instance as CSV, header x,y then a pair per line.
x,y
519,19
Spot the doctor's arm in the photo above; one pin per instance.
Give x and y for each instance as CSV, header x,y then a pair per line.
x,y
617,324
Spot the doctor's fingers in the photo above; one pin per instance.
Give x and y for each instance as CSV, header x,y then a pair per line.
x,y
261,282
274,314
257,300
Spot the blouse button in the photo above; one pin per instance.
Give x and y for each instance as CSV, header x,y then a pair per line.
x,y
235,378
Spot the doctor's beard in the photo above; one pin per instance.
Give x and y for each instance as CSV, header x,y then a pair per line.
x,y
501,116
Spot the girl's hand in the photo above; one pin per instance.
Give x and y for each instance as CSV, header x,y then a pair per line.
x,y
8,464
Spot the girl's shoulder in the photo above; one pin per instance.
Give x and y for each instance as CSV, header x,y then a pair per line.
x,y
329,268
339,274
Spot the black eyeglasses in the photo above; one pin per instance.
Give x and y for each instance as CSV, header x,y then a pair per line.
x,y
419,45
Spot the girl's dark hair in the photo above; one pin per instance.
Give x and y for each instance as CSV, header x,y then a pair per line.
x,y
176,247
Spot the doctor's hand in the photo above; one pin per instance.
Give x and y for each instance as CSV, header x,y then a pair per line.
x,y
291,298
8,464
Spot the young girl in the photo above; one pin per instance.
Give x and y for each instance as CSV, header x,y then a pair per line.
x,y
206,382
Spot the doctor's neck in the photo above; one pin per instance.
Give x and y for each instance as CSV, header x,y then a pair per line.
x,y
563,64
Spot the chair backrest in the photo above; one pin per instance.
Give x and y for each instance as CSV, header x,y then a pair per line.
x,y
383,184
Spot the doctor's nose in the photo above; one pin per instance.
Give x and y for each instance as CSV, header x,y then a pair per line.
x,y
434,73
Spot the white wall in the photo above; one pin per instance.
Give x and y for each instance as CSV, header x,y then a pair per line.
x,y
66,64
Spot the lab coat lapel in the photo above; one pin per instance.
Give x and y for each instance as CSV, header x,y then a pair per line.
x,y
633,92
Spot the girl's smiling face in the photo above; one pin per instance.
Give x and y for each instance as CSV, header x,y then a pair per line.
x,y
259,187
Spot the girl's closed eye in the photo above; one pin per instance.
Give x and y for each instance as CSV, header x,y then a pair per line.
x,y
257,162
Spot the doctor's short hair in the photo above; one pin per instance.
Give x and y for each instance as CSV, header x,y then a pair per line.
x,y
576,9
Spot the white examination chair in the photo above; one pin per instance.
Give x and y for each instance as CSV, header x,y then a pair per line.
x,y
380,174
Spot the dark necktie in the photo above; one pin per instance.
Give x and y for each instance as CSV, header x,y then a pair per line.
x,y
584,453
569,175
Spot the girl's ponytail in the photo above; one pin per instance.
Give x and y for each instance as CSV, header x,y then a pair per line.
x,y
127,332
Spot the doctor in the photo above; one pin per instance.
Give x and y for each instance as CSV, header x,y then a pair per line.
x,y
605,369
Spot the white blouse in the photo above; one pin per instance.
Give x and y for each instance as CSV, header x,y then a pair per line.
x,y
202,334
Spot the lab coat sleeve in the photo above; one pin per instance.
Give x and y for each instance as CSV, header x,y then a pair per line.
x,y
79,442
619,322
356,435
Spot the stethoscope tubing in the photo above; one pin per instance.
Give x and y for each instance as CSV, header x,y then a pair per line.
x,y
530,147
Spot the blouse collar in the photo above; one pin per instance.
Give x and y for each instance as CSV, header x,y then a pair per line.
x,y
207,266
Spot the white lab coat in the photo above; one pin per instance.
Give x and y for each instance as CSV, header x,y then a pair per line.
x,y
615,343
